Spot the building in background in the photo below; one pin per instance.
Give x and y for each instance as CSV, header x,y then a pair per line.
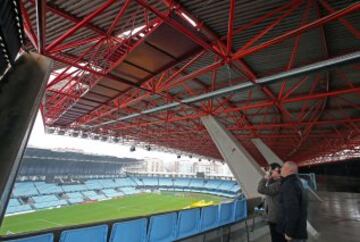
x,y
154,165
180,166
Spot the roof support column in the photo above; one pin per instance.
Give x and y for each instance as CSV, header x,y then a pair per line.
x,y
268,154
245,169
21,89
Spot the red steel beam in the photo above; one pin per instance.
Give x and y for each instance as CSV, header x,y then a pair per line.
x,y
331,17
346,23
181,28
41,24
259,104
79,25
75,43
138,96
230,27
27,26
52,8
264,17
179,10
118,17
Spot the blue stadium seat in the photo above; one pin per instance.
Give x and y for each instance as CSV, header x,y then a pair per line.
x,y
166,182
227,213
209,218
38,238
89,234
13,202
150,181
188,223
240,209
181,182
129,231
162,228
198,183
24,189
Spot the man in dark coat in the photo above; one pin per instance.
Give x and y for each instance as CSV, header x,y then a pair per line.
x,y
293,205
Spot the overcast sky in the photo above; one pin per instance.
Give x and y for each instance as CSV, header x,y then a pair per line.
x,y
38,138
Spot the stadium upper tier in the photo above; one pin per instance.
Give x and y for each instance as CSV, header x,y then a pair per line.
x,y
34,195
38,162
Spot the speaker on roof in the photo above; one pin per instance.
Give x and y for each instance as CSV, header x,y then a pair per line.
x,y
11,33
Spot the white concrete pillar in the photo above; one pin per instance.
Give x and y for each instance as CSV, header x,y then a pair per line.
x,y
245,169
22,89
268,154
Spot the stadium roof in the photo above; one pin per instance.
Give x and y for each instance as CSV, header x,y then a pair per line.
x,y
115,59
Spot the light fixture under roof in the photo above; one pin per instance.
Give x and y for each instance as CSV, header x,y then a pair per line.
x,y
188,19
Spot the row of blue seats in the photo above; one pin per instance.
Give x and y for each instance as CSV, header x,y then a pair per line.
x,y
42,188
25,189
183,182
50,204
158,228
215,185
217,193
49,201
13,202
18,209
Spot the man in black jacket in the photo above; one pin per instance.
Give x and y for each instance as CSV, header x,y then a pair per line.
x,y
293,205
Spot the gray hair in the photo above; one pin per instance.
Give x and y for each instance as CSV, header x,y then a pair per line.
x,y
292,166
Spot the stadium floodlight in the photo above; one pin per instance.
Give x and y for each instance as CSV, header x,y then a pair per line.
x,y
75,134
50,130
132,148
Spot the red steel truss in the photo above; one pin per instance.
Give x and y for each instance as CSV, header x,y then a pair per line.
x,y
117,58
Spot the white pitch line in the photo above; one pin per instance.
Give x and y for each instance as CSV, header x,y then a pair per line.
x,y
47,221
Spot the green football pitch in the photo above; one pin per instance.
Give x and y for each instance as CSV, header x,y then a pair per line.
x,y
125,207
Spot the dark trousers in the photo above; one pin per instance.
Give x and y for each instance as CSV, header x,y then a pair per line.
x,y
275,235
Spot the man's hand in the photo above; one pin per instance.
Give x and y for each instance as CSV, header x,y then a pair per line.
x,y
288,238
267,175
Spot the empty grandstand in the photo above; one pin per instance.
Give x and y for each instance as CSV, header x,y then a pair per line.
x,y
34,195
46,185
242,83
42,162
